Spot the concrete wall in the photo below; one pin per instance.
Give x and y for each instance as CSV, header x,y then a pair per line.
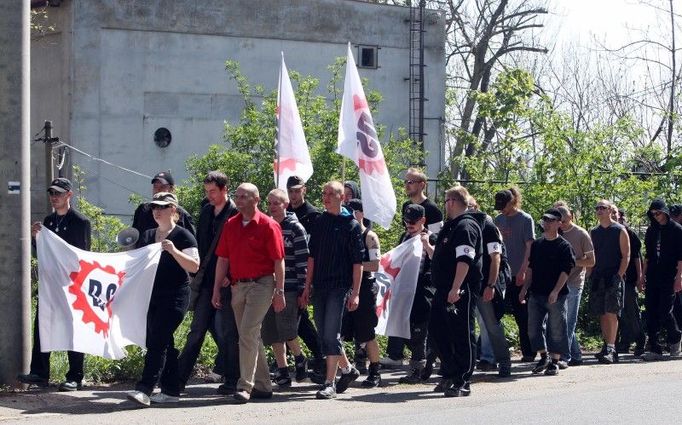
x,y
136,65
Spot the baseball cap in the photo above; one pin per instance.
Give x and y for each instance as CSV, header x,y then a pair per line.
x,y
165,198
61,185
502,198
413,212
355,205
552,214
295,182
164,177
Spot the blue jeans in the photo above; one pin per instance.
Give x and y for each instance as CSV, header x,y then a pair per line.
x,y
553,337
328,308
494,345
572,307
486,347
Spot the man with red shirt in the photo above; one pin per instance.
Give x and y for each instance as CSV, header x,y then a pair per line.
x,y
252,250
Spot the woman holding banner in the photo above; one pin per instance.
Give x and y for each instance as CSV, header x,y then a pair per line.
x,y
169,301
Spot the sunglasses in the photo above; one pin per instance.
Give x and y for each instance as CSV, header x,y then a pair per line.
x,y
601,207
549,220
53,192
410,222
160,207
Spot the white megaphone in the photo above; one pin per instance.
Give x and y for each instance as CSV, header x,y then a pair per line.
x,y
127,238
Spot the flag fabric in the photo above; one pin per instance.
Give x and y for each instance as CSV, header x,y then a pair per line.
x,y
292,155
397,279
358,141
91,302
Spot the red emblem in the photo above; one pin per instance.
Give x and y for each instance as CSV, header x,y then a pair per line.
x,y
388,267
94,287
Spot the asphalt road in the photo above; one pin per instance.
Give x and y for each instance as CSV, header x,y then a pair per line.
x,y
631,392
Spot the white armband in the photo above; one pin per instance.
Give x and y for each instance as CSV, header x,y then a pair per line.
x,y
374,254
466,251
192,252
494,247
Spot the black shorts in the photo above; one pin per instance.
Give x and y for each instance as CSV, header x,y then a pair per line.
x,y
606,295
360,324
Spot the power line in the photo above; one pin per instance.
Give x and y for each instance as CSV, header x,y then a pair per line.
x,y
94,158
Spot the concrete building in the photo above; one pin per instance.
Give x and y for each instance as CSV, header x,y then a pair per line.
x,y
113,72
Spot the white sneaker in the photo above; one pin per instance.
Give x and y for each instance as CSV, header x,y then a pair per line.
x,y
676,350
162,398
389,362
213,378
138,397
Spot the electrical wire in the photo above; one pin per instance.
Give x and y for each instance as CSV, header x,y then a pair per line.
x,y
94,158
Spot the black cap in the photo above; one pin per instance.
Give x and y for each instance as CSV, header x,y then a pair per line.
x,y
295,182
659,205
502,198
164,177
675,210
355,205
552,214
60,185
165,198
413,212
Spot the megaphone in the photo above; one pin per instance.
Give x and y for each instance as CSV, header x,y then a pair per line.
x,y
127,238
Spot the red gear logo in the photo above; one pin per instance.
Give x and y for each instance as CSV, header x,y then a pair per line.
x,y
94,291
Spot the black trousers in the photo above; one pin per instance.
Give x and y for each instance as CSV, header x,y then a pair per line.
x,y
40,362
658,299
520,312
452,329
630,320
203,321
228,337
161,360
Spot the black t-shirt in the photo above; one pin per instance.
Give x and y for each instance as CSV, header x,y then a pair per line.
x,y
206,231
169,275
306,214
548,258
431,211
635,254
425,290
460,239
73,227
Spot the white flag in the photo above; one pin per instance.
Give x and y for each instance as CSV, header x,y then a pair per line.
x,y
292,156
358,142
397,279
91,302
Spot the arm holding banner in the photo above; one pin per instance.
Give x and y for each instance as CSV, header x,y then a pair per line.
x,y
187,262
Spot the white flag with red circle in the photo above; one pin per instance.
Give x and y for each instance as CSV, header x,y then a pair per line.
x,y
90,302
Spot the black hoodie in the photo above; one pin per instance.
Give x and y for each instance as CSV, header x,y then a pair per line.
x,y
455,243
663,244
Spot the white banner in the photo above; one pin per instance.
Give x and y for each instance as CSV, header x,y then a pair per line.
x,y
397,279
292,155
358,142
91,302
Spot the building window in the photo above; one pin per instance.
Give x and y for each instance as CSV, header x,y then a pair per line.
x,y
162,137
368,57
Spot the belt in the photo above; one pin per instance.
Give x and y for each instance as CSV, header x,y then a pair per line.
x,y
248,279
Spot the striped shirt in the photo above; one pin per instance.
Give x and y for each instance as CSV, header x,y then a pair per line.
x,y
295,253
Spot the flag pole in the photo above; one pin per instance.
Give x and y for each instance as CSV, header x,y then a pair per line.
x,y
278,118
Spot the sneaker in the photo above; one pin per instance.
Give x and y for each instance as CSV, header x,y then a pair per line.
x,y
242,396
32,379
213,378
282,377
415,377
552,369
442,385
388,363
373,380
346,379
326,392
486,366
575,362
676,349
652,356
601,354
463,390
70,386
427,371
504,371
562,364
317,378
226,389
138,397
541,365
638,351
609,357
260,394
301,368
162,398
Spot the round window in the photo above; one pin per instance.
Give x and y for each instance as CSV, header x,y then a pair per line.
x,y
162,137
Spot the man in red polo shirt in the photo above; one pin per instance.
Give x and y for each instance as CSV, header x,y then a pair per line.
x,y
252,250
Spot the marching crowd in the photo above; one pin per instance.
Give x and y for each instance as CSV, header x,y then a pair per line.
x,y
254,275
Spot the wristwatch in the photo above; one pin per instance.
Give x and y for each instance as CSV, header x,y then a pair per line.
x,y
279,291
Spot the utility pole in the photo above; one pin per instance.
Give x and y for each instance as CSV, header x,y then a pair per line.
x,y
15,189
